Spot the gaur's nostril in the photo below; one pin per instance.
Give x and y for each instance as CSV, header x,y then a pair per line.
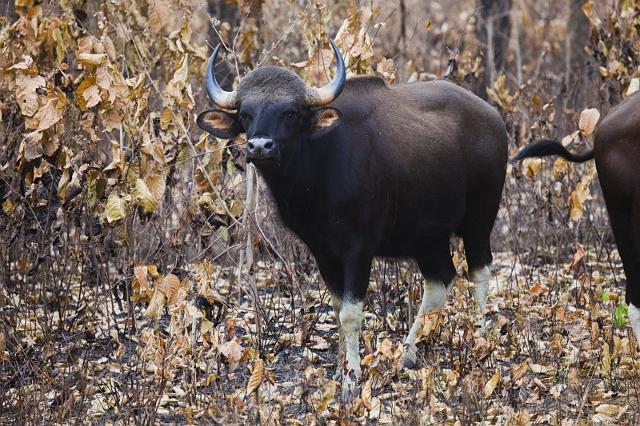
x,y
268,145
251,146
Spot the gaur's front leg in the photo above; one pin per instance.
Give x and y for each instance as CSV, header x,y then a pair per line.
x,y
356,270
350,325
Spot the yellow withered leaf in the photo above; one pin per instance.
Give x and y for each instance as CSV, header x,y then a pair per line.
x,y
92,58
577,199
170,287
156,185
88,93
256,376
560,167
587,9
158,301
490,386
144,197
2,346
327,396
531,166
49,114
116,208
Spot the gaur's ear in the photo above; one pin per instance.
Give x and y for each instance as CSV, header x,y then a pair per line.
x,y
219,123
324,119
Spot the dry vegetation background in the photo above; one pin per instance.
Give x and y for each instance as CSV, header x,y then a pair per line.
x,y
144,278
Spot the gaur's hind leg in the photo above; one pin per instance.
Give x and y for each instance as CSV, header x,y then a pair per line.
x,y
477,249
625,223
335,302
438,271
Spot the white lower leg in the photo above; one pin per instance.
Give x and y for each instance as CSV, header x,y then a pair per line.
x,y
434,295
335,302
351,324
481,278
634,319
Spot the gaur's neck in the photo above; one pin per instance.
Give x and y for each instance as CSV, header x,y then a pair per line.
x,y
292,183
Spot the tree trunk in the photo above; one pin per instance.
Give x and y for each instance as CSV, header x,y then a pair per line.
x,y
493,31
225,11
581,75
403,26
8,9
581,80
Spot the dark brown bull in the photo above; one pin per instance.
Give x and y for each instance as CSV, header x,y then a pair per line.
x,y
360,169
616,149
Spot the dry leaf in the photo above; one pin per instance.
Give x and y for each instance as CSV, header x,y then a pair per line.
x,y
327,396
2,346
532,165
232,351
634,86
366,393
256,376
88,93
517,371
156,185
160,15
116,208
588,120
611,410
490,386
49,114
577,199
158,301
606,360
587,8
92,58
26,63
26,93
386,348
144,197
170,286
32,146
537,289
570,138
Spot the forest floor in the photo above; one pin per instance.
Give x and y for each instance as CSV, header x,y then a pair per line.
x,y
556,350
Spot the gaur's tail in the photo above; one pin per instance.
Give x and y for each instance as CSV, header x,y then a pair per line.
x,y
547,147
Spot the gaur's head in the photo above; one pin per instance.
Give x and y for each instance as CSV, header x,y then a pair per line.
x,y
274,108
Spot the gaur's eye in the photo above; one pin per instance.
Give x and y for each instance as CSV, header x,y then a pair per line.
x,y
291,115
244,117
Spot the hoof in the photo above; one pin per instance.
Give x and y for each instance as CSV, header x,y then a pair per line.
x,y
337,376
481,325
410,358
408,362
350,390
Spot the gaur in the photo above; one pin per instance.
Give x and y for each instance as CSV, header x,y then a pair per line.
x,y
359,169
616,150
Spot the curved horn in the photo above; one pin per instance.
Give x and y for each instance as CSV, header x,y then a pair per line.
x,y
220,97
324,95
